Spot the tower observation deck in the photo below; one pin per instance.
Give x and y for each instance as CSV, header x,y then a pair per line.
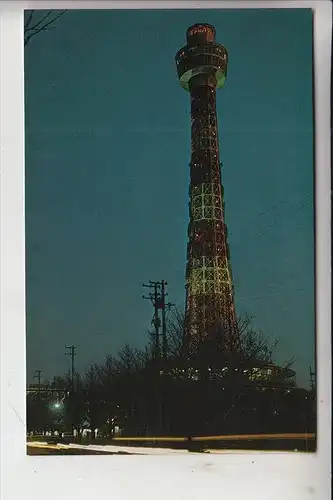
x,y
210,310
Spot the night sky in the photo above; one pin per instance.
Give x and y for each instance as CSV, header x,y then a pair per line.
x,y
107,154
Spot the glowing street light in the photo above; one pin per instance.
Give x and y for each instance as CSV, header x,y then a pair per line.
x,y
57,405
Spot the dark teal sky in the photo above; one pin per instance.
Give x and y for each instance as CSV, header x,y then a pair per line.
x,y
107,153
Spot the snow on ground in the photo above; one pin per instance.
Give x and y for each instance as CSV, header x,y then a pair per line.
x,y
144,450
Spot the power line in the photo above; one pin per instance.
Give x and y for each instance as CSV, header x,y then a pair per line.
x,y
282,202
282,292
270,226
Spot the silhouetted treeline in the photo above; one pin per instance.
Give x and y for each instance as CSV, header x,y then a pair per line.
x,y
214,391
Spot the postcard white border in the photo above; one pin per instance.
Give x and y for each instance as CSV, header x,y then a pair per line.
x,y
236,476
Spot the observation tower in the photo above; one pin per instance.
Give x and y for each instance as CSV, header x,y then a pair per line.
x,y
210,311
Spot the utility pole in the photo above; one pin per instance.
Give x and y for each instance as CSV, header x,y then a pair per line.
x,y
71,352
163,305
157,297
72,355
312,379
154,298
38,377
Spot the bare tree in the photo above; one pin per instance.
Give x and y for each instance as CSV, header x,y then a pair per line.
x,y
251,344
249,347
130,360
94,403
38,21
176,333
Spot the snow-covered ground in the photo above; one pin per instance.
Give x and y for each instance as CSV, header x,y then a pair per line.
x,y
144,450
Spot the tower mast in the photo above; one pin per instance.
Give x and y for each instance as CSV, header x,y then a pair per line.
x,y
210,311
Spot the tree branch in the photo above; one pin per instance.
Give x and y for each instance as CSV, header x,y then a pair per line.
x,y
32,28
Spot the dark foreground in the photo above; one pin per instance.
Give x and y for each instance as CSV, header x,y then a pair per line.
x,y
45,450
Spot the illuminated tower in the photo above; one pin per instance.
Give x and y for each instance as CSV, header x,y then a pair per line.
x,y
210,311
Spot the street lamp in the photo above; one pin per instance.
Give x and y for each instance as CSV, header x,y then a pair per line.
x,y
57,405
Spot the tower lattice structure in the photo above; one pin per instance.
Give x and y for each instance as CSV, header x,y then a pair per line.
x,y
210,309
